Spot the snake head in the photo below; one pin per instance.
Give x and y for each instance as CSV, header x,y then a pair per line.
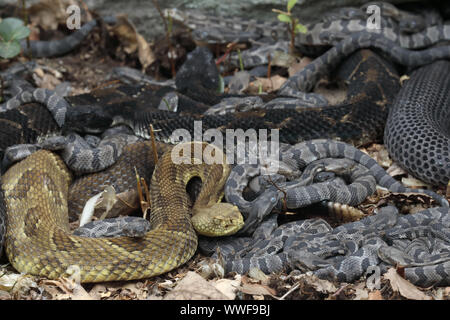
x,y
86,119
261,207
221,219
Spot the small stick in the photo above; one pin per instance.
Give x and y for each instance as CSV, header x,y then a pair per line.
x,y
152,137
25,20
230,47
290,291
144,202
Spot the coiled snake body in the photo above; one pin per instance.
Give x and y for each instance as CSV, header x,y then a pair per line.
x,y
38,239
417,132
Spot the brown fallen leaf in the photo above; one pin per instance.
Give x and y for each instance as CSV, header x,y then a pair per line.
x,y
194,287
361,294
5,295
414,183
228,287
266,84
126,33
123,204
257,274
321,285
375,295
68,289
145,53
447,292
99,291
48,14
132,41
257,289
395,170
404,287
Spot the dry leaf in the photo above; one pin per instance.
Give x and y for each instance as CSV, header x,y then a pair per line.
x,y
5,295
126,32
447,292
414,183
257,289
194,287
71,290
228,287
257,274
133,41
383,159
361,294
404,287
145,53
210,268
16,284
321,285
395,170
375,295
267,85
8,281
48,14
99,291
137,288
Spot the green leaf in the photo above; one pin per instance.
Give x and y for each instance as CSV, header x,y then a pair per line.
x,y
8,28
284,18
300,28
241,63
291,4
20,33
221,88
9,49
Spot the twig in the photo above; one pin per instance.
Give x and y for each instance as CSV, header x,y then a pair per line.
x,y
144,201
25,20
290,291
340,290
230,47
